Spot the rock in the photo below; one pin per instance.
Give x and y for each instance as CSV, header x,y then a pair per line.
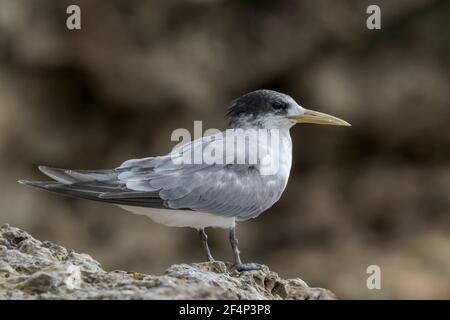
x,y
31,269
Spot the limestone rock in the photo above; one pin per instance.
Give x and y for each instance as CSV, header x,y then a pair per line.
x,y
31,269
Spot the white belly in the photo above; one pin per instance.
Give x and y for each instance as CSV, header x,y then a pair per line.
x,y
183,218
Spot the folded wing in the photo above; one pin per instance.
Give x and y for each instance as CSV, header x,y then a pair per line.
x,y
232,190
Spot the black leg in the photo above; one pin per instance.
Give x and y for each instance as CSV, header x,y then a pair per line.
x,y
237,259
204,238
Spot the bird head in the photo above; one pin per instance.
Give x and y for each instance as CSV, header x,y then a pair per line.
x,y
272,109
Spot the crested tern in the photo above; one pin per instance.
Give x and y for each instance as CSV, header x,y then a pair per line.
x,y
175,191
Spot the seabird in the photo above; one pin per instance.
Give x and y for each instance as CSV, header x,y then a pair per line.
x,y
252,162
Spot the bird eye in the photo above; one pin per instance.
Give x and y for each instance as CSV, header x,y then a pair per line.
x,y
278,105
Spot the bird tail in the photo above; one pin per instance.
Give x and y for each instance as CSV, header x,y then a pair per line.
x,y
96,185
77,183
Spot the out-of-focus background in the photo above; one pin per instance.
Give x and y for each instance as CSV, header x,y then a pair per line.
x,y
373,194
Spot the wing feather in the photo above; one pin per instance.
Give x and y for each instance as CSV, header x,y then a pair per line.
x,y
231,190
228,190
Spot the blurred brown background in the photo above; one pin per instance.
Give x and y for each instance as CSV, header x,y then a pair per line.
x,y
376,193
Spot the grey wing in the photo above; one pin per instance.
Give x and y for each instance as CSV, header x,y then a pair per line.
x,y
234,190
105,185
92,185
161,182
227,190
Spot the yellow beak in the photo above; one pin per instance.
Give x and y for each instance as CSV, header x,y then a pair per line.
x,y
311,116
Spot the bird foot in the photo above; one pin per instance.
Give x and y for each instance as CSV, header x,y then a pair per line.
x,y
248,266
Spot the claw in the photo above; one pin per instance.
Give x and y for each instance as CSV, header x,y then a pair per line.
x,y
248,266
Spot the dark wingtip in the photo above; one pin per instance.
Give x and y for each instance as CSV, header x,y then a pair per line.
x,y
29,183
37,184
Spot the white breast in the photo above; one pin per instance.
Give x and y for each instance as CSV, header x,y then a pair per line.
x,y
285,157
183,218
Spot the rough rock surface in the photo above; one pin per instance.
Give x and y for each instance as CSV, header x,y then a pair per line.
x,y
31,269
